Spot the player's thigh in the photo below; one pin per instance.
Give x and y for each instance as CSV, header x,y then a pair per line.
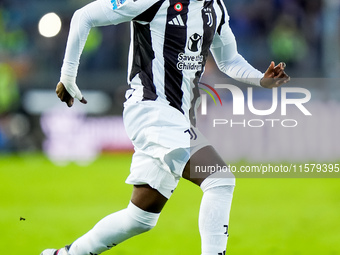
x,y
147,198
205,158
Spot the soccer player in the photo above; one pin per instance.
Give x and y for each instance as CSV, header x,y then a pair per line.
x,y
170,41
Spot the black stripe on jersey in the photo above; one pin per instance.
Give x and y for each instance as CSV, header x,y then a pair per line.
x,y
143,52
209,28
142,60
222,18
150,13
175,39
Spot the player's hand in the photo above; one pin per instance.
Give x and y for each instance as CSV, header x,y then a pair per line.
x,y
67,90
65,96
275,76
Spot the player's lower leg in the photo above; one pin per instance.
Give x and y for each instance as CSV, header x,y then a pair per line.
x,y
216,201
140,216
214,216
110,231
114,229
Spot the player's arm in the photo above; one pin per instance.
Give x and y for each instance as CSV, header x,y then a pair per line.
x,y
229,61
95,14
81,23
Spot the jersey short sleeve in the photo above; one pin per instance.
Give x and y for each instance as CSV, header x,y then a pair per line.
x,y
224,34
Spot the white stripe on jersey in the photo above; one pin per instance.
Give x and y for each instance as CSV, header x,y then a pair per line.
x,y
130,56
158,42
194,26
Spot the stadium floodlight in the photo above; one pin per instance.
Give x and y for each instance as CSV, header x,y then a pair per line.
x,y
49,25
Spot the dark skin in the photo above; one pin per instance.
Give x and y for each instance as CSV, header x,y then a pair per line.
x,y
275,76
65,96
149,199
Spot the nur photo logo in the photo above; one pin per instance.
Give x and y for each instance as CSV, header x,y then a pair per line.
x,y
281,100
204,96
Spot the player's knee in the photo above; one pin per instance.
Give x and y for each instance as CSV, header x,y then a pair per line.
x,y
143,220
219,180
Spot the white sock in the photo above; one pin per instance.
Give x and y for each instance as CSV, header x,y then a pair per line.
x,y
214,219
114,229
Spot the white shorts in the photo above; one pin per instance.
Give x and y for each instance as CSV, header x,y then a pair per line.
x,y
163,142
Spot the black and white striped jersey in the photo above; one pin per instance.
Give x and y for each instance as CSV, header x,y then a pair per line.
x,y
170,41
169,48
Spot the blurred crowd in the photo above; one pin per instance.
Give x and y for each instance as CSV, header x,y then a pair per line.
x,y
279,30
282,30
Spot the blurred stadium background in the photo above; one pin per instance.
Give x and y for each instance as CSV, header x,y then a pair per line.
x,y
39,136
303,33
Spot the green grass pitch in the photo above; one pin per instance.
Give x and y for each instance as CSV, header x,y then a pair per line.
x,y
47,206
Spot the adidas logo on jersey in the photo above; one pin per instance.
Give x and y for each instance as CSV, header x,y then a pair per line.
x,y
177,21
